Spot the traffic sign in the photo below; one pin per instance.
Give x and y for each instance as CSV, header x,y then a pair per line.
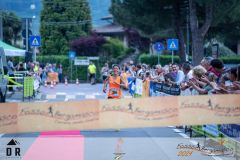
x,y
172,44
93,58
81,62
35,41
158,46
71,55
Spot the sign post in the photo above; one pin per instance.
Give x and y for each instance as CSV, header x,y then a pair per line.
x,y
172,45
159,47
35,41
71,56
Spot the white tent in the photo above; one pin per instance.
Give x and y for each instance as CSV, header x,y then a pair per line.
x,y
11,51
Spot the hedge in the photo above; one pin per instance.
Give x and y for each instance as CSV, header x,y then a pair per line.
x,y
166,59
153,59
79,72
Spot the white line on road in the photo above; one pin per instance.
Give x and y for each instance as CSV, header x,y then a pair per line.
x,y
194,142
216,158
184,135
177,131
51,96
41,101
71,97
80,93
170,126
90,96
1,135
61,93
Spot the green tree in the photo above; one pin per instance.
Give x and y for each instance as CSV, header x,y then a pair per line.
x,y
152,17
204,14
11,27
61,22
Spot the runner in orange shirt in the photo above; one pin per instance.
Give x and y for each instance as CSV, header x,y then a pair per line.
x,y
115,83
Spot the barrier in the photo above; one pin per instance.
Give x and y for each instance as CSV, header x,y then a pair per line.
x,y
147,88
124,113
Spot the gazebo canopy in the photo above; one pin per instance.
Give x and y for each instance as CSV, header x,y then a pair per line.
x,y
11,51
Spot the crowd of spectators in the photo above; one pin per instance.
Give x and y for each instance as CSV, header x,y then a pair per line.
x,y
209,77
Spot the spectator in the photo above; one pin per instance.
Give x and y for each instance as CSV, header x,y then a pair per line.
x,y
104,71
10,68
60,73
92,70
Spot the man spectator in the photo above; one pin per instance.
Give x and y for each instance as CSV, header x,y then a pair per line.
x,y
92,70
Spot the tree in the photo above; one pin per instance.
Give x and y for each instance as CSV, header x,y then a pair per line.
x,y
154,19
62,22
88,46
203,15
11,27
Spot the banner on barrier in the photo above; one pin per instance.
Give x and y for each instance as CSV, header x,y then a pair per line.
x,y
125,113
165,88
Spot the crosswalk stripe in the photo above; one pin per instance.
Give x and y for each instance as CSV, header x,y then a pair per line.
x,y
61,93
184,135
71,96
194,142
177,130
90,97
51,96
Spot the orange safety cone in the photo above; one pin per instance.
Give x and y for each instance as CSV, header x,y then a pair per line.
x,y
51,85
77,81
45,83
66,82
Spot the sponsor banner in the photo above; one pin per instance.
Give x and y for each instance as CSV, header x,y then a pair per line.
x,y
231,130
139,87
211,129
167,89
123,113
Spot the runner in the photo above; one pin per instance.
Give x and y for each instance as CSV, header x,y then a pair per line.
x,y
115,83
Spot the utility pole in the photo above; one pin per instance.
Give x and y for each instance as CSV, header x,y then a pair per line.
x,y
27,34
1,26
188,39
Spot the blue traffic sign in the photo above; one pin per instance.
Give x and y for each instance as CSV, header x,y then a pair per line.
x,y
172,44
71,55
35,41
158,46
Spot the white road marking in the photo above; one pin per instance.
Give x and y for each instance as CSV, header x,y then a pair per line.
x,y
216,158
61,93
71,97
194,142
80,93
184,135
41,101
51,96
90,97
170,126
177,131
1,135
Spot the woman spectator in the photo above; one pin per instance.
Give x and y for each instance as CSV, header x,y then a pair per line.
x,y
60,73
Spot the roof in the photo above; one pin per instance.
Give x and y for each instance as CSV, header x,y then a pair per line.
x,y
109,29
11,51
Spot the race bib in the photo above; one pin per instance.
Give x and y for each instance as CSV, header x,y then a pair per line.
x,y
114,92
